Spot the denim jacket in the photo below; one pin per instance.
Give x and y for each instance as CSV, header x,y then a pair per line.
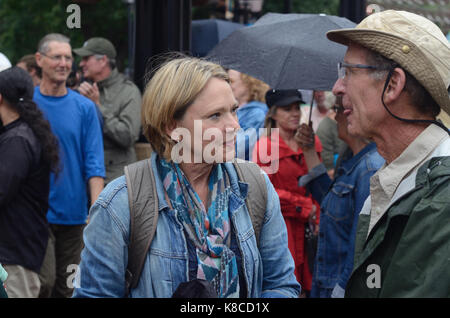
x,y
340,201
269,271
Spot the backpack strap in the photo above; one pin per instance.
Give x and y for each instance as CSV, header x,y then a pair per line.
x,y
143,202
256,200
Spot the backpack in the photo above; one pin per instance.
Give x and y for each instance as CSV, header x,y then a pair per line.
x,y
143,202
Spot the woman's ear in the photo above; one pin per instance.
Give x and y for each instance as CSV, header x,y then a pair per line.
x,y
170,128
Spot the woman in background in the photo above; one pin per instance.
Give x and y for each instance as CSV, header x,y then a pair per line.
x,y
280,156
28,152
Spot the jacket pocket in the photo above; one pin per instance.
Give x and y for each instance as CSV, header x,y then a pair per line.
x,y
340,206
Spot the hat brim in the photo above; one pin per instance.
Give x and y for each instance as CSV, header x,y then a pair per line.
x,y
390,46
288,100
83,52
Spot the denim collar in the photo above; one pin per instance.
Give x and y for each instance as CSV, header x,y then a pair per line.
x,y
238,195
239,189
347,165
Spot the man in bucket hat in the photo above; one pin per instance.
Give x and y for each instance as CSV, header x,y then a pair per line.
x,y
393,81
118,99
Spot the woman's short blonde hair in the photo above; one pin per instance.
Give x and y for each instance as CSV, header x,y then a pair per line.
x,y
172,89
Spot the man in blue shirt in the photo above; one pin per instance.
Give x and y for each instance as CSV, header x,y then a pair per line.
x,y
74,121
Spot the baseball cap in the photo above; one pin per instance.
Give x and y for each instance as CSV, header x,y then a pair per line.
x,y
283,97
414,42
97,45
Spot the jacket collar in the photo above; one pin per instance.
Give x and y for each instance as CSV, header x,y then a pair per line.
x,y
162,203
347,166
113,78
10,125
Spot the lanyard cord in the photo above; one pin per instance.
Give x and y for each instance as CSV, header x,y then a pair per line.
x,y
391,71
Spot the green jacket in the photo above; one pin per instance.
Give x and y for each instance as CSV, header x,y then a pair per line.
x,y
409,247
120,104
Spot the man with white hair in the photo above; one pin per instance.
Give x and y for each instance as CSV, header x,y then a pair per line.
x,y
393,81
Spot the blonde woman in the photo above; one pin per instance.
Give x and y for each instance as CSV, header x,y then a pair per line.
x,y
204,229
250,94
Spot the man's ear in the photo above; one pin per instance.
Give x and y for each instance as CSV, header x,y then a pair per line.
x,y
38,57
105,60
396,85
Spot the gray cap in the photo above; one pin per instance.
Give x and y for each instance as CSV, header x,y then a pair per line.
x,y
97,45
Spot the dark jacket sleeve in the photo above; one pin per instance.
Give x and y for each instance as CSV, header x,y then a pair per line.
x,y
16,159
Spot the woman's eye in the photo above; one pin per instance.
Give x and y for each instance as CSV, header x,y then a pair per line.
x,y
215,116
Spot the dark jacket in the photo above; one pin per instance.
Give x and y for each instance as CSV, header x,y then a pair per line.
x,y
24,189
408,249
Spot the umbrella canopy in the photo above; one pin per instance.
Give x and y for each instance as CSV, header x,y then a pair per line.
x,y
287,51
207,33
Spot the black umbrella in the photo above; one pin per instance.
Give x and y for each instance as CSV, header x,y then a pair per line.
x,y
287,51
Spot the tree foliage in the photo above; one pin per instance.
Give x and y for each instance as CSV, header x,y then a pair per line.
x,y
330,7
23,23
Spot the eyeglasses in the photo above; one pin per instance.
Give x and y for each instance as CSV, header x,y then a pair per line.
x,y
337,108
59,58
342,66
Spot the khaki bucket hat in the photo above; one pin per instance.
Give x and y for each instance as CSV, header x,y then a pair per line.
x,y
414,42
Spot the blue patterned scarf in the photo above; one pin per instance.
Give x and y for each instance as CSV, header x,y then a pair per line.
x,y
208,230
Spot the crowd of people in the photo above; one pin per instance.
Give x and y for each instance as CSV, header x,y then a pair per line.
x,y
249,192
